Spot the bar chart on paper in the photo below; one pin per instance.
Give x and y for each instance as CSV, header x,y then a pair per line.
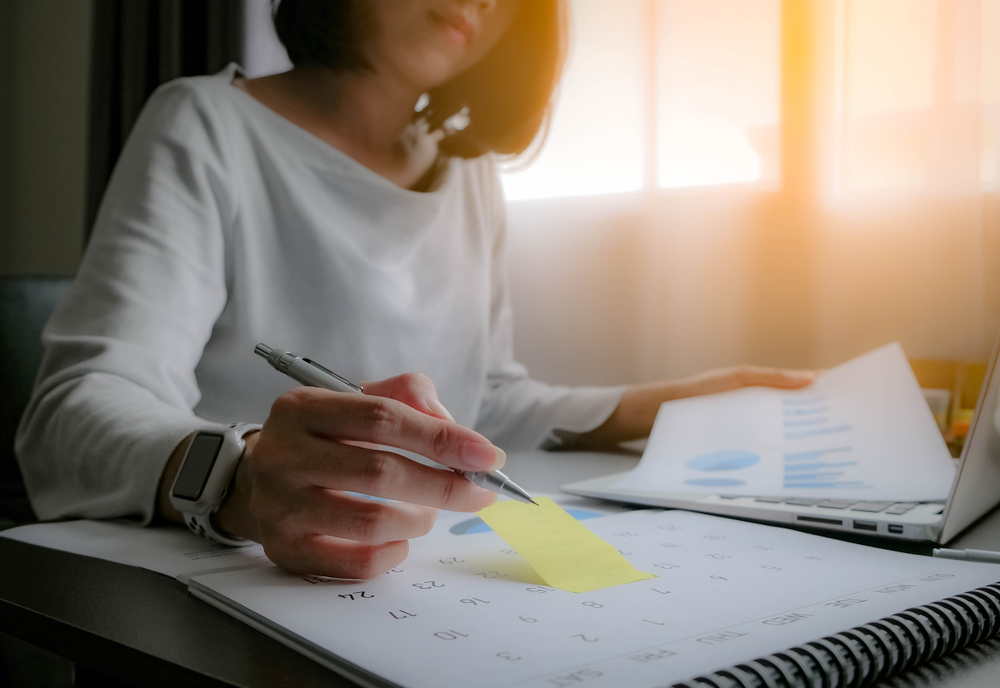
x,y
861,431
806,470
833,467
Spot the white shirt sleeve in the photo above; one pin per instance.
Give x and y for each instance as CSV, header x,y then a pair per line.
x,y
518,412
116,386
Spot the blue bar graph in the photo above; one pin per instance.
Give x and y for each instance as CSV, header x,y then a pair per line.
x,y
806,471
813,476
811,455
800,467
799,434
803,401
806,411
847,484
805,422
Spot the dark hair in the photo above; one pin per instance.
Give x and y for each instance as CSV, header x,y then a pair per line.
x,y
507,94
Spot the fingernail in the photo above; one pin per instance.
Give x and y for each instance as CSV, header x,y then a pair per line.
x,y
501,459
483,457
437,407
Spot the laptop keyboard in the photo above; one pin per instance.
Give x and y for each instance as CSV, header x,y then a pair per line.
x,y
893,508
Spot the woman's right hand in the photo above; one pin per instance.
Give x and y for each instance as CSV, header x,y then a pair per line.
x,y
291,488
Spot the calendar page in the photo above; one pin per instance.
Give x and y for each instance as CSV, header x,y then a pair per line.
x,y
465,609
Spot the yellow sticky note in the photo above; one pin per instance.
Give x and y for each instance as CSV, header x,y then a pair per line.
x,y
561,549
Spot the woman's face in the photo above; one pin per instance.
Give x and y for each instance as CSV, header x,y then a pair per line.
x,y
425,43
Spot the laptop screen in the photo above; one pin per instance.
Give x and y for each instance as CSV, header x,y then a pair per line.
x,y
977,485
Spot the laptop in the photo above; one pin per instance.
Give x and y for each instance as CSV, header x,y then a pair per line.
x,y
974,492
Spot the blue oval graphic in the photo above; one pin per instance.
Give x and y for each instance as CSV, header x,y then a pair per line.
x,y
714,482
725,460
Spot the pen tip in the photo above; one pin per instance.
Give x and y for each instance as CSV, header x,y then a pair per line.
x,y
533,502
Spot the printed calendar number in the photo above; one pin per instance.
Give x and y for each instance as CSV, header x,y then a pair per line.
x,y
427,585
574,678
356,595
475,601
450,635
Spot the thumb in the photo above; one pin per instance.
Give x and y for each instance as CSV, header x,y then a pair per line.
x,y
413,389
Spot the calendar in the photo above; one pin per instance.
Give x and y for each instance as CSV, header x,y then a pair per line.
x,y
465,609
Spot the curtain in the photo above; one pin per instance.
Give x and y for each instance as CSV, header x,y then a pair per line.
x,y
138,45
820,177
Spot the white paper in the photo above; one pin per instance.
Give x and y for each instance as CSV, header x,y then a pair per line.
x,y
171,550
466,609
862,430
177,552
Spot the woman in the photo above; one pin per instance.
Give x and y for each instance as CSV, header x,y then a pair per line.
x,y
317,211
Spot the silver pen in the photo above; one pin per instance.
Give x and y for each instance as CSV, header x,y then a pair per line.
x,y
312,374
981,555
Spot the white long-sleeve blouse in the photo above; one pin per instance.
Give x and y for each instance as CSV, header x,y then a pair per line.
x,y
225,225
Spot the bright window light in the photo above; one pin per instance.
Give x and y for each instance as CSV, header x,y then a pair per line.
x,y
891,50
989,93
718,91
596,143
695,85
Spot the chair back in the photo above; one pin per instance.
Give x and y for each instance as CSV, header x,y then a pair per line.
x,y
25,305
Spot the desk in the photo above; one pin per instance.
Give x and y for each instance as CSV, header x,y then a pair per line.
x,y
144,629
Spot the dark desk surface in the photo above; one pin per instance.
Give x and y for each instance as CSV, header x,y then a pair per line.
x,y
144,629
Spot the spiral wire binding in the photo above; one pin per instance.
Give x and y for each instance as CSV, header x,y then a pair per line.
x,y
872,652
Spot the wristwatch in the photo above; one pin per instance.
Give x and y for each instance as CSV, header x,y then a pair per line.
x,y
204,477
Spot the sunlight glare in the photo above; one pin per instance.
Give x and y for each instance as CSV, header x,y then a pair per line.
x,y
596,142
718,82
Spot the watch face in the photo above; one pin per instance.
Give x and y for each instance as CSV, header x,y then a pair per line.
x,y
197,466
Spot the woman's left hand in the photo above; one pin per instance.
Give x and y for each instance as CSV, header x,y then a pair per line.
x,y
639,405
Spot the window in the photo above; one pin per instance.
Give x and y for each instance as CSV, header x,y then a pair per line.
x,y
667,93
675,94
921,94
597,140
717,91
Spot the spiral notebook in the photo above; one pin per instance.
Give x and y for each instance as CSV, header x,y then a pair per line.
x,y
732,604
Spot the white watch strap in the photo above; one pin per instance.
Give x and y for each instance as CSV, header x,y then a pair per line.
x,y
200,523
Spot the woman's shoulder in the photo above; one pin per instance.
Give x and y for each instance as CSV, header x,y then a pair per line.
x,y
481,175
481,186
187,105
204,89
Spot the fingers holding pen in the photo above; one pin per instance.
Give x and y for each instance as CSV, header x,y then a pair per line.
x,y
416,390
385,421
326,555
291,488
390,476
350,517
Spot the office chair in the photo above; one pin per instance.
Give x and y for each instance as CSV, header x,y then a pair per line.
x,y
25,306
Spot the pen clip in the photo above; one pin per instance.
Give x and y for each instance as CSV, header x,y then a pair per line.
x,y
332,374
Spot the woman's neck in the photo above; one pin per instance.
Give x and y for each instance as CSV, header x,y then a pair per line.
x,y
364,115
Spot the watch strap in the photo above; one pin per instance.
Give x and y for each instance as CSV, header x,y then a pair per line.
x,y
200,522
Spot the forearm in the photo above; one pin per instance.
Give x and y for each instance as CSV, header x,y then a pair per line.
x,y
94,446
164,509
521,413
633,417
